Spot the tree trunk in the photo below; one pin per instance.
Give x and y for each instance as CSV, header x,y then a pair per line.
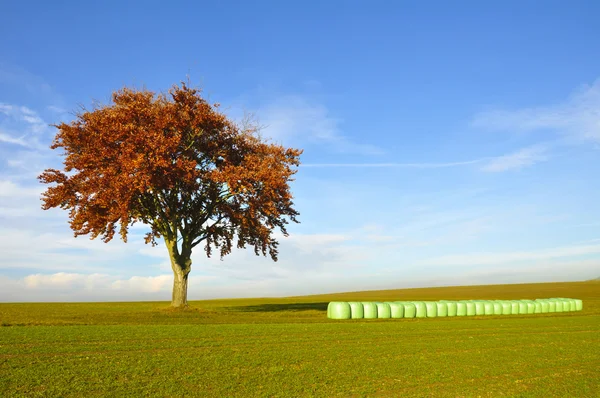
x,y
180,284
181,265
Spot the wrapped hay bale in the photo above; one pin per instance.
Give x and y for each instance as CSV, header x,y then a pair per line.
x,y
479,307
452,308
397,309
514,309
370,310
544,304
410,311
442,309
357,310
470,308
578,305
573,305
522,307
559,305
506,307
383,310
488,307
421,310
551,305
566,304
530,306
338,310
461,308
431,308
537,307
497,307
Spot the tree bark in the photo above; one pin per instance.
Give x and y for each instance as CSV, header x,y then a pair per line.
x,y
181,265
180,285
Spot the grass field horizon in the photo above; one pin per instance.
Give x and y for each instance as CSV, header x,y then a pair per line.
x,y
287,347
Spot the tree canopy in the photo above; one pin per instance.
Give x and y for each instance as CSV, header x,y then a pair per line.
x,y
174,162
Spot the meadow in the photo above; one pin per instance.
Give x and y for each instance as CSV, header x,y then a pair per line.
x,y
286,347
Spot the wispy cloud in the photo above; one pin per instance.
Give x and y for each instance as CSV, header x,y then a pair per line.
x,y
10,189
8,139
432,165
492,258
577,117
296,119
39,90
22,126
517,160
56,109
73,285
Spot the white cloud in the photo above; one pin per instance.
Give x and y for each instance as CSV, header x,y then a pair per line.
x,y
46,243
16,78
74,282
431,165
577,117
13,140
21,126
517,160
56,109
144,283
9,188
491,258
62,280
294,119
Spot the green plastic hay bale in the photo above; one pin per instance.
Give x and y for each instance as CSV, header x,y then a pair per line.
x,y
421,309
383,310
452,308
559,305
551,305
357,310
514,309
461,308
573,304
410,311
530,306
488,307
578,304
431,308
470,308
479,307
506,308
370,310
442,309
522,307
397,310
567,305
338,310
537,307
545,305
497,308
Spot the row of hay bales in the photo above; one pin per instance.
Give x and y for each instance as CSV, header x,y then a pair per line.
x,y
442,308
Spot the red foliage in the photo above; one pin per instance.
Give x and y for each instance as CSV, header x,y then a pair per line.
x,y
177,164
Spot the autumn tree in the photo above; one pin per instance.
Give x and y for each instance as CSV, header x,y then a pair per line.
x,y
177,164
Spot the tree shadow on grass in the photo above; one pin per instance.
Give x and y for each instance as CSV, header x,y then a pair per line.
x,y
281,307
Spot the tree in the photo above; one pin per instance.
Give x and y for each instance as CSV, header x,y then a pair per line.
x,y
175,163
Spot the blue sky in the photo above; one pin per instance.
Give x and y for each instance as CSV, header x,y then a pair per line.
x,y
444,144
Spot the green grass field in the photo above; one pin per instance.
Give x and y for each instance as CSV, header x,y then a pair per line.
x,y
288,347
